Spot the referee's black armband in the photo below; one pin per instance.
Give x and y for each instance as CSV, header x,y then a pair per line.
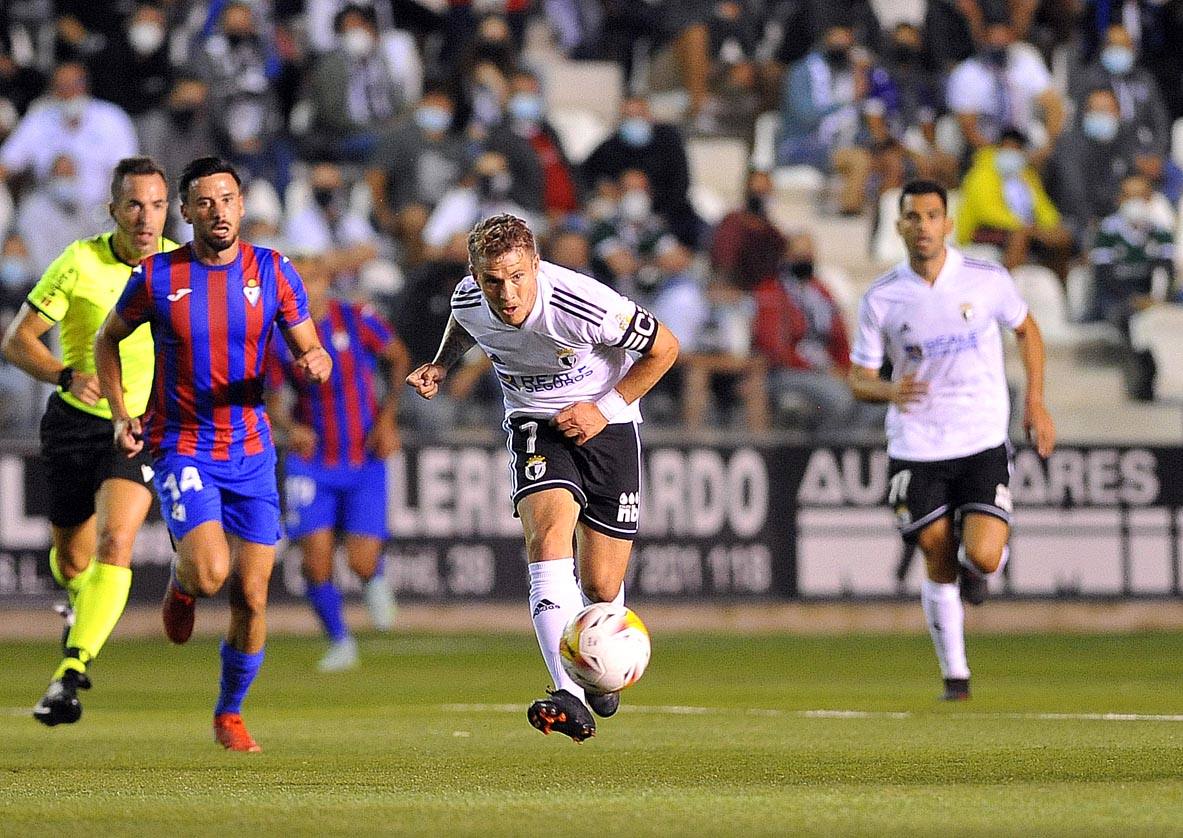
x,y
641,332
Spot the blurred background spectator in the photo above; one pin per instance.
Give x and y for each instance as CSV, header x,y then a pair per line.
x,y
376,132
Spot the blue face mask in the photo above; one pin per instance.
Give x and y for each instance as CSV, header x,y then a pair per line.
x,y
1118,60
14,272
1100,126
63,189
526,107
432,120
636,131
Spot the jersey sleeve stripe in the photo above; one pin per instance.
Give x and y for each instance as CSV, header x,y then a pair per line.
x,y
476,304
574,312
40,311
571,299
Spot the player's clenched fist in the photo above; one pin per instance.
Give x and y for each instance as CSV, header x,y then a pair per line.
x,y
129,436
315,365
426,380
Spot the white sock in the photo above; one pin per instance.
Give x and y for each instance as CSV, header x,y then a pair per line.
x,y
555,598
945,616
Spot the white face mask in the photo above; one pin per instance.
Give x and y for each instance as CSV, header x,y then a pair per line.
x,y
635,205
357,42
72,109
145,37
1010,161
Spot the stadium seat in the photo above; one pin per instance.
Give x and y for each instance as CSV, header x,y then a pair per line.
x,y
886,246
718,166
1160,330
580,130
799,181
1177,142
1049,306
764,141
584,85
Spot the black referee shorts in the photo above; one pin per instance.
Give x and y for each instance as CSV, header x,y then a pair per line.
x,y
78,453
603,474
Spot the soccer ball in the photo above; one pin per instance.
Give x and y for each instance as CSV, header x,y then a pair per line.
x,y
605,648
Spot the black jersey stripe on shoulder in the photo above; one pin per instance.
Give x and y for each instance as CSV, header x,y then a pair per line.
x,y
473,304
591,307
890,276
575,312
982,263
460,292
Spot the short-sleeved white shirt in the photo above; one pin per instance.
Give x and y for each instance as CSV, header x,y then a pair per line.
x,y
972,89
573,346
947,335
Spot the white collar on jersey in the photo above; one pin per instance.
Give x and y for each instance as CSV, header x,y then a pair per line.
x,y
953,262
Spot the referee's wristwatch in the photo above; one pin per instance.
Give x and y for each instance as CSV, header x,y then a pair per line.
x,y
66,378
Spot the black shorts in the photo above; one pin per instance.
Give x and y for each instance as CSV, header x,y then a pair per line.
x,y
604,474
921,492
78,453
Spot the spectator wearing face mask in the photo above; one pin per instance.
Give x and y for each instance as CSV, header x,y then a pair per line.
x,y
526,115
624,242
134,71
657,149
327,226
358,89
747,246
414,167
1090,162
485,191
800,333
54,214
93,133
1004,204
240,64
1132,260
1139,99
1006,85
176,134
821,111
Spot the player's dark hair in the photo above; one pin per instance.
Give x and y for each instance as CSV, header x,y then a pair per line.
x,y
133,166
204,167
1014,135
496,236
924,187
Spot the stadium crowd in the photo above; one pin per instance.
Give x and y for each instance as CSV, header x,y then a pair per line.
x,y
375,135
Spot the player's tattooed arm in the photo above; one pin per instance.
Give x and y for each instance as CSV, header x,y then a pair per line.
x,y
455,344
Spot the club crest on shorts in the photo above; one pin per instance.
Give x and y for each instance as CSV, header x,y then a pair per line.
x,y
535,467
566,356
967,312
251,291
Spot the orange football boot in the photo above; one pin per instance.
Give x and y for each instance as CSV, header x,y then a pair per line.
x,y
231,733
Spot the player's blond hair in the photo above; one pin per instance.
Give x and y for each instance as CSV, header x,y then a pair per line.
x,y
496,236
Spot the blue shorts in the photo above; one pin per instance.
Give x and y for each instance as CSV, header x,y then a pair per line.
x,y
239,493
351,499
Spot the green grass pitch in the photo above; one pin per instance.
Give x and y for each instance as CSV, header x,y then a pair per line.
x,y
430,737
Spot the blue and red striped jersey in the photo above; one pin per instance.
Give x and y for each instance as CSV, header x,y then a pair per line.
x,y
211,325
341,410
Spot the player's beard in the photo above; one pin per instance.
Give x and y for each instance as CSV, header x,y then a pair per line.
x,y
220,241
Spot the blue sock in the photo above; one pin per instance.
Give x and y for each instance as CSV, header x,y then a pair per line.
x,y
238,671
326,602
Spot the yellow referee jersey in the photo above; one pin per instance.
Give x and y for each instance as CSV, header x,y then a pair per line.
x,y
77,291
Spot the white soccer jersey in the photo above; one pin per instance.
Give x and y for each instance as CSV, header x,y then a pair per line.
x,y
573,347
948,335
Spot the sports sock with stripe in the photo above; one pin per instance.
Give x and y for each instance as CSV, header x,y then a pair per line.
x,y
98,608
238,672
945,616
326,602
555,598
